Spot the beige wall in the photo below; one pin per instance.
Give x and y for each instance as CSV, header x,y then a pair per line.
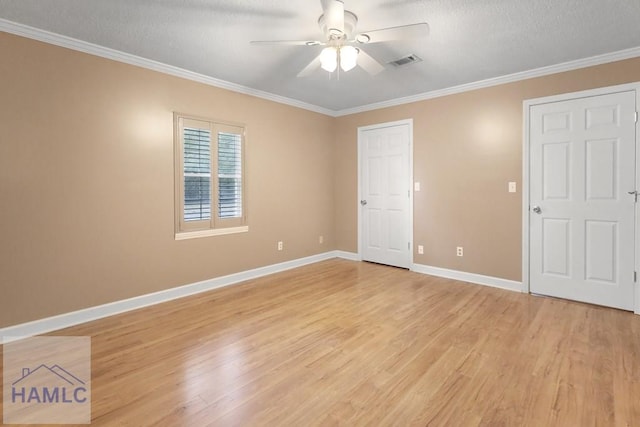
x,y
86,178
86,182
467,147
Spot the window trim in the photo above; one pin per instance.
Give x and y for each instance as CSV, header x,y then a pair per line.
x,y
185,235
215,226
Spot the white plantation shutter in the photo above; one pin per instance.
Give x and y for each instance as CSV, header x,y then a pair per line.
x,y
229,175
210,176
197,174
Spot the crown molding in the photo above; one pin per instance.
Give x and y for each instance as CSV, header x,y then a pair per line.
x,y
116,55
127,58
509,78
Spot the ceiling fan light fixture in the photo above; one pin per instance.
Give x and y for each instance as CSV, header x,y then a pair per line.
x,y
329,59
348,57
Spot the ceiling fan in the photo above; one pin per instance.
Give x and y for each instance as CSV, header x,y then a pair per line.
x,y
344,46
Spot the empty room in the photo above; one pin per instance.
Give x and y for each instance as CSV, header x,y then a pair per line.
x,y
321,212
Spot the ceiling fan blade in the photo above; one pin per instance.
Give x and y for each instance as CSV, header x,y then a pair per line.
x,y
287,42
403,32
309,69
334,15
369,64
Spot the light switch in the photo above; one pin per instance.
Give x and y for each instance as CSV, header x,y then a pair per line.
x,y
416,186
512,187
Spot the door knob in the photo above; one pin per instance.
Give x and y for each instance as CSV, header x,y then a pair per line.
x,y
536,209
363,202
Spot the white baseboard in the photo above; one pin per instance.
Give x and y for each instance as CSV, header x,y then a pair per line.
x,y
50,324
479,279
351,256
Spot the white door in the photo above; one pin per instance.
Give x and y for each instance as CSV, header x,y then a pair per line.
x,y
582,167
385,196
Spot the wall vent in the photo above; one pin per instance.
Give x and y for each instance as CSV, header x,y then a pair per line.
x,y
406,60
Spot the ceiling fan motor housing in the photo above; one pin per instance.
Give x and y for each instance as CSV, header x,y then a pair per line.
x,y
350,21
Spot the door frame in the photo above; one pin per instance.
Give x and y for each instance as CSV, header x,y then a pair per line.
x,y
527,104
361,130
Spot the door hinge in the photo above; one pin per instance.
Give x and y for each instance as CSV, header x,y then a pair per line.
x,y
635,276
409,245
636,117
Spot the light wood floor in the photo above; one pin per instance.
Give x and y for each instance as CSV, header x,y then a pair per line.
x,y
348,343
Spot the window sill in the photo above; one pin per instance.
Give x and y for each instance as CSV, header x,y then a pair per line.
x,y
184,235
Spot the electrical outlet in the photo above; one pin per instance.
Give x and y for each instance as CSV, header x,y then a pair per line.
x,y
420,250
512,187
280,246
459,251
321,239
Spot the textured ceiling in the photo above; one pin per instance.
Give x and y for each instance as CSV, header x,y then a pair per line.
x,y
470,40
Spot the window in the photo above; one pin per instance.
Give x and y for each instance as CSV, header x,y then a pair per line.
x,y
210,184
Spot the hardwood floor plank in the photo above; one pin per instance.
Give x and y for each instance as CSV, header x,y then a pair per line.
x,y
359,344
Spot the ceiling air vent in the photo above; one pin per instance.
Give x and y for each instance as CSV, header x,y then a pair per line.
x,y
406,60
